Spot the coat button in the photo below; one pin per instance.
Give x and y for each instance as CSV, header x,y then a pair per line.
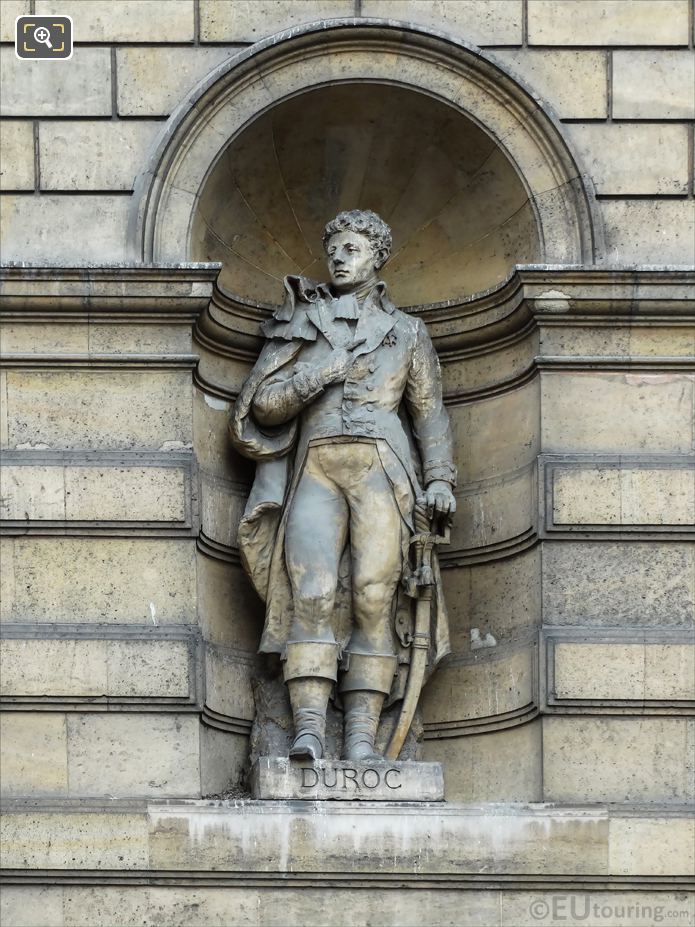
x,y
372,368
370,407
370,386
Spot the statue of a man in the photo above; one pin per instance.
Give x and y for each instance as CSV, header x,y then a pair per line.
x,y
343,413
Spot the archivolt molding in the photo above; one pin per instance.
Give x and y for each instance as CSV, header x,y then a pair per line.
x,y
363,51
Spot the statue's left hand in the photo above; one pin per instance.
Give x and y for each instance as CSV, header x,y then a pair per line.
x,y
439,498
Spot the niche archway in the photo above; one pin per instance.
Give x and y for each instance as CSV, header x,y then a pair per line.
x,y
488,182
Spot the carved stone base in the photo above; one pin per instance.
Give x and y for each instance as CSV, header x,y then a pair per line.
x,y
282,778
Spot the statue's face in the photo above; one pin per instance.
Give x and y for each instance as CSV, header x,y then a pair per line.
x,y
351,260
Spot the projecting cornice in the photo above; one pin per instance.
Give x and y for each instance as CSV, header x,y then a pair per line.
x,y
533,296
138,293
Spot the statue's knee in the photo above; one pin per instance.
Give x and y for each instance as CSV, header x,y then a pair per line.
x,y
314,611
372,601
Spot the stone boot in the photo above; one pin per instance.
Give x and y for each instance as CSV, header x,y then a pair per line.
x,y
362,713
309,700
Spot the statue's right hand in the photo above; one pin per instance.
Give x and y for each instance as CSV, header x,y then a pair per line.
x,y
337,367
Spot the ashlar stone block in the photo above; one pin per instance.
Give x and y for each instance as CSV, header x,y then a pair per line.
x,y
94,155
127,581
624,496
574,83
632,840
83,840
153,81
133,754
249,21
93,668
496,23
649,231
624,671
24,906
83,88
655,84
17,155
608,22
93,409
618,759
635,159
611,584
127,20
615,412
9,11
33,754
97,228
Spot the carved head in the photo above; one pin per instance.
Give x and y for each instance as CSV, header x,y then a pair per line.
x,y
357,243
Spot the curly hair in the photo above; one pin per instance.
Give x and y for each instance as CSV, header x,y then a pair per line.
x,y
364,222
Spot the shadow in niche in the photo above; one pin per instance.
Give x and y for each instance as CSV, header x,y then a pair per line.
x,y
460,214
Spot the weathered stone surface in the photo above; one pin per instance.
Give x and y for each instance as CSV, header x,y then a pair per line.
x,y
502,766
9,11
480,689
248,21
500,434
575,83
649,231
97,228
223,761
624,671
30,906
17,155
33,754
383,837
130,581
501,598
618,759
618,412
607,22
623,496
75,840
606,584
162,906
632,840
133,754
282,778
220,583
653,84
153,81
125,668
93,493
82,88
635,159
497,23
115,409
228,675
127,20
94,155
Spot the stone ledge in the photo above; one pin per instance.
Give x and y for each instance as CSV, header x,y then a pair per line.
x,y
485,843
281,778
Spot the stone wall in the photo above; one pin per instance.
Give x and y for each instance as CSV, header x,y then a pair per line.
x,y
129,627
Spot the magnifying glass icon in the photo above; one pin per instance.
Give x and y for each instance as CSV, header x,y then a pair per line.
x,y
42,35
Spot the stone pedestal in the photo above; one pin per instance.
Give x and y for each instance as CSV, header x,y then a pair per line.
x,y
282,778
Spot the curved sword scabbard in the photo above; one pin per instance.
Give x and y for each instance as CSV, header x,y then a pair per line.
x,y
420,643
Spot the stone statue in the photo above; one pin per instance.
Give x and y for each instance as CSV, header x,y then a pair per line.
x,y
343,413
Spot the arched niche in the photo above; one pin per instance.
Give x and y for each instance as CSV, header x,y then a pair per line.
x,y
473,174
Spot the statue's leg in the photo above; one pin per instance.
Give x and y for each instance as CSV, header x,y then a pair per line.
x,y
314,540
370,664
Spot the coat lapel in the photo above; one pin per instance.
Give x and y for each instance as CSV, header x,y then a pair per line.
x,y
373,326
